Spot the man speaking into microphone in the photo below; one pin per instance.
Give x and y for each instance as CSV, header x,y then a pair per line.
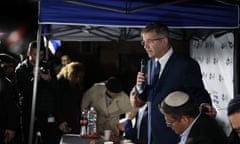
x,y
166,71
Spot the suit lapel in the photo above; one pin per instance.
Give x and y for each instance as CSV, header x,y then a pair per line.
x,y
167,67
164,74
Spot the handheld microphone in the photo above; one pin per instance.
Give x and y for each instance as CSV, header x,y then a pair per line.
x,y
143,70
143,66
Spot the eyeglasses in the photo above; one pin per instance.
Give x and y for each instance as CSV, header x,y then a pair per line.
x,y
169,124
150,41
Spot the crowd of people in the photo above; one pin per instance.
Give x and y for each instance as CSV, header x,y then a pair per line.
x,y
168,101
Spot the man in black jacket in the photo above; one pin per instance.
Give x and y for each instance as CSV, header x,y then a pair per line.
x,y
44,113
9,111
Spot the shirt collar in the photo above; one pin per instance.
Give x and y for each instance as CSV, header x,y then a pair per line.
x,y
141,109
163,60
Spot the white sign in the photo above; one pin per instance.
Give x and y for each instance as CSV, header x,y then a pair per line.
x,y
215,56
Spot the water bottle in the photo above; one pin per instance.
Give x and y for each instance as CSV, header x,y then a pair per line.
x,y
38,139
83,123
92,119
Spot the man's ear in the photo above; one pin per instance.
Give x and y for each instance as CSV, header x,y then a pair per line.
x,y
186,119
165,40
28,53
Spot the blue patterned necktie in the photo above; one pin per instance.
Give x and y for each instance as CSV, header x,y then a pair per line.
x,y
156,72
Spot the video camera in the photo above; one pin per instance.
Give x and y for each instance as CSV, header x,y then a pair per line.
x,y
44,67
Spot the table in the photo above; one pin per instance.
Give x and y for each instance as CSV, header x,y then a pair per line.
x,y
77,139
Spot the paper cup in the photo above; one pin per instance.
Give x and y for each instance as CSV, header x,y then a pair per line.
x,y
108,142
107,134
125,141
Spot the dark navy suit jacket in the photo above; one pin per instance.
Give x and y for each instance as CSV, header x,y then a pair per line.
x,y
233,138
206,130
180,73
131,131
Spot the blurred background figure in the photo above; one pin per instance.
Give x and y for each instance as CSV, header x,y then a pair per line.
x,y
182,114
44,112
8,64
234,118
136,132
68,90
64,60
110,101
9,110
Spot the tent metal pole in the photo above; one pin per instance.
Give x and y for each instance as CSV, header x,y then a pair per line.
x,y
35,85
236,68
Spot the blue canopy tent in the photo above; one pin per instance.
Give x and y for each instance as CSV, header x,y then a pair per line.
x,y
189,14
108,20
117,19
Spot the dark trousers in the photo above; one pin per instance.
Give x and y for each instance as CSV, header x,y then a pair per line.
x,y
47,131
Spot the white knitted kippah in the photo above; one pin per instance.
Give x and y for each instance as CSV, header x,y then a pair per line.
x,y
176,99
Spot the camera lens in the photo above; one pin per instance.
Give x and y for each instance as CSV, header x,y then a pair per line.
x,y
44,70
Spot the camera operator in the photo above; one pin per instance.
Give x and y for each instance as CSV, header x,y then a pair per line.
x,y
44,112
44,70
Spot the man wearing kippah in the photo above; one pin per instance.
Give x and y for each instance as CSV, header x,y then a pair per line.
x,y
234,118
110,101
182,114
